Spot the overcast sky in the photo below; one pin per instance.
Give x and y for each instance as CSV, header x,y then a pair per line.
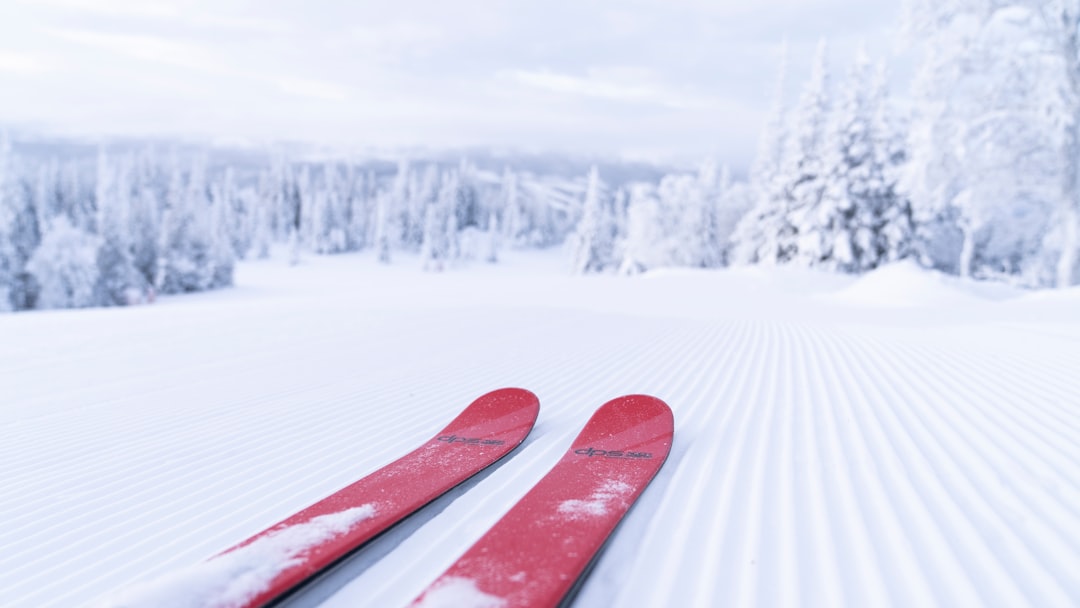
x,y
639,78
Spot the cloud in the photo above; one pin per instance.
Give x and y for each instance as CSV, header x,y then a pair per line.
x,y
146,48
624,85
118,8
22,63
313,89
165,11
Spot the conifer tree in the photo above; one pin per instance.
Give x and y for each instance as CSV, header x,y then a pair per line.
x,y
592,246
754,239
117,275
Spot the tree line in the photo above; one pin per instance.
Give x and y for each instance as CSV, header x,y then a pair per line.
x,y
976,176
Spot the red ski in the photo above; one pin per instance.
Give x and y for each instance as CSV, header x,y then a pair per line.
x,y
278,559
540,549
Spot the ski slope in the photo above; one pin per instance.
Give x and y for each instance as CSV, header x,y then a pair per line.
x,y
898,439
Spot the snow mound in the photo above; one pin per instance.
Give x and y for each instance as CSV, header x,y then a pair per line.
x,y
908,285
458,592
232,578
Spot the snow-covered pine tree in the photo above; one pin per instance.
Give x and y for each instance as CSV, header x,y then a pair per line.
x,y
400,225
493,239
262,230
117,277
803,176
754,239
283,197
306,204
48,194
513,217
458,197
892,219
185,263
8,259
383,226
144,227
469,210
733,203
593,245
640,248
1063,20
222,254
360,212
423,191
994,111
440,225
679,222
320,219
860,221
695,239
339,209
238,209
65,266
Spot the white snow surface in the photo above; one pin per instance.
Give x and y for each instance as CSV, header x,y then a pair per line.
x,y
830,450
459,592
235,577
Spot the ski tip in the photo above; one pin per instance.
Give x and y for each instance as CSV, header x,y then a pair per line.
x,y
631,420
511,398
504,408
512,394
638,408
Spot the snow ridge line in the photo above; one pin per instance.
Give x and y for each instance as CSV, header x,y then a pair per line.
x,y
699,392
1003,568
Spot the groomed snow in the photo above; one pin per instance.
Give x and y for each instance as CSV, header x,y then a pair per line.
x,y
232,578
831,447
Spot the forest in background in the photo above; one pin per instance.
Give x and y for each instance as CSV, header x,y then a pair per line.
x,y
973,172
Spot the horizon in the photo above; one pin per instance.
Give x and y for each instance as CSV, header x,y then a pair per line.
x,y
694,79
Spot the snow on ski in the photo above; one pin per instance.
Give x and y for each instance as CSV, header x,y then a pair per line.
x,y
542,547
277,560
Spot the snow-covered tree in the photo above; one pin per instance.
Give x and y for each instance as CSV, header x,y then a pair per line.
x,y
65,267
48,193
9,265
440,225
754,239
1063,25
383,227
222,254
493,241
360,210
689,203
144,225
262,223
994,151
733,203
642,247
185,263
20,233
513,216
804,173
593,244
860,220
117,276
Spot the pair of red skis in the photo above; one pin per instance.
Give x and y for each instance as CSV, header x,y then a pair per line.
x,y
533,556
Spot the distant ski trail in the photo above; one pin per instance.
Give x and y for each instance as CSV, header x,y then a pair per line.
x,y
816,462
